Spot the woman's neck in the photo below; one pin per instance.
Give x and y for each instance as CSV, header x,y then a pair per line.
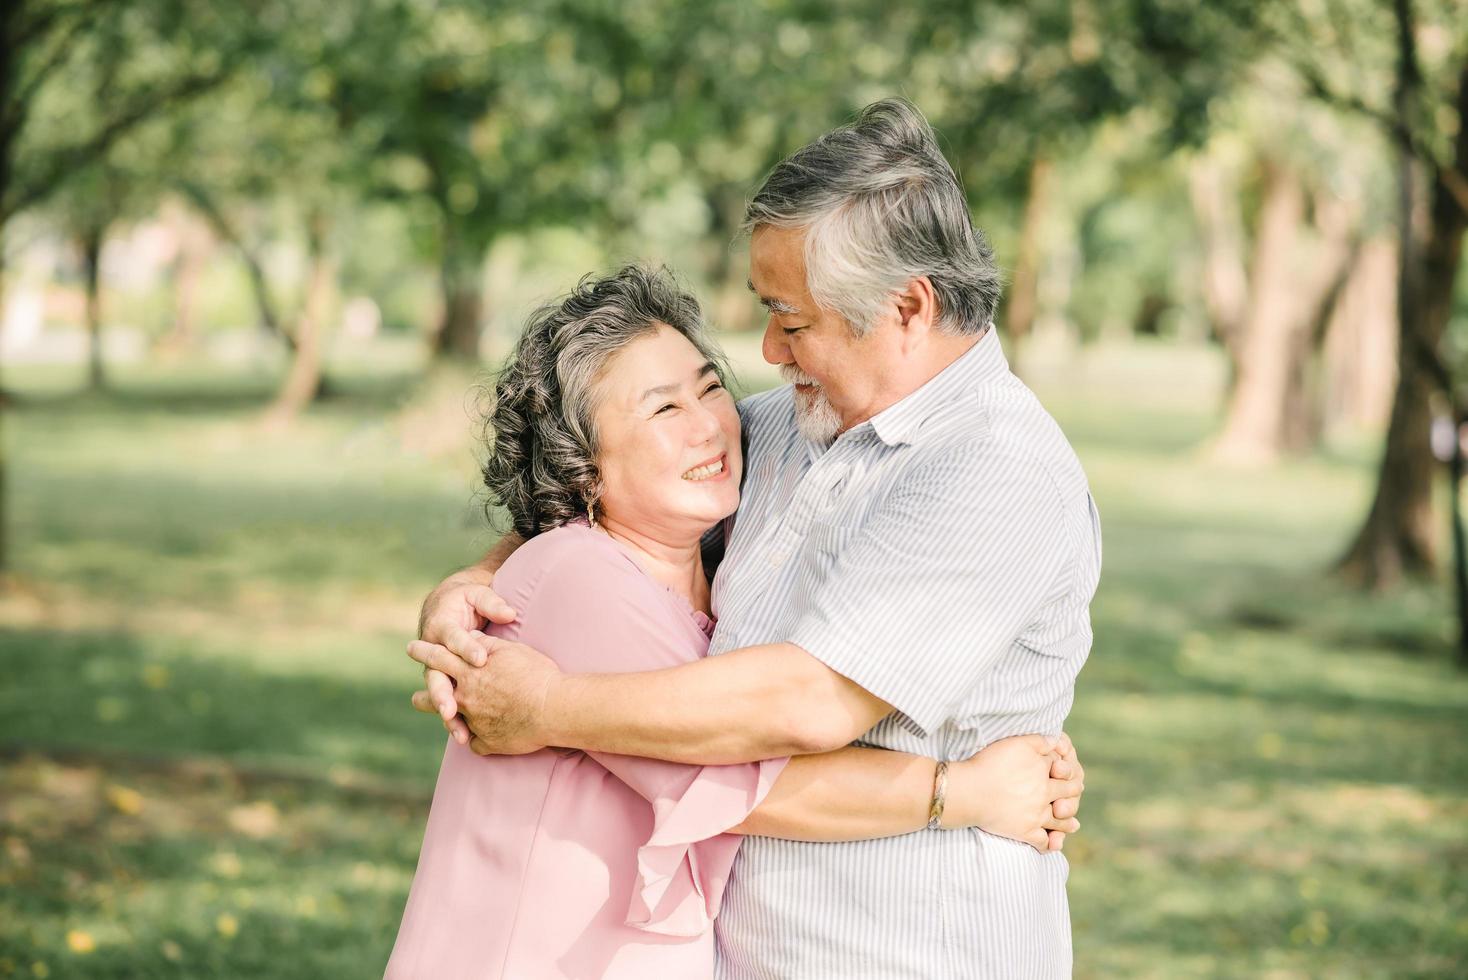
x,y
678,565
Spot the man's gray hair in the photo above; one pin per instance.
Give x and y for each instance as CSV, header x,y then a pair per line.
x,y
880,206
543,440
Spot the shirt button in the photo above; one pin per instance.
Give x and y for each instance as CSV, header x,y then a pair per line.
x,y
776,559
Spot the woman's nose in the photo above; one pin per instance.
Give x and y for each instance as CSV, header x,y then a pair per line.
x,y
705,425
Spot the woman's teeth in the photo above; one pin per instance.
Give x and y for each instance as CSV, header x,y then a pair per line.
x,y
704,472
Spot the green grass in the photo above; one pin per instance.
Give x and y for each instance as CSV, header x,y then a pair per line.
x,y
208,767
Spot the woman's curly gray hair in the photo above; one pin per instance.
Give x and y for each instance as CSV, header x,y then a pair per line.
x,y
543,444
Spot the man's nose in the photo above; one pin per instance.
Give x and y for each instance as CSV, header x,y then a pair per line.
x,y
773,347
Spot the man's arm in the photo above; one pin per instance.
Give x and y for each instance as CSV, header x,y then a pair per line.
x,y
756,703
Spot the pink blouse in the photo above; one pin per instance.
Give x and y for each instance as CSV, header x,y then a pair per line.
x,y
571,864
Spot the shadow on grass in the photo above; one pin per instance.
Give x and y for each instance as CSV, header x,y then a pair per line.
x,y
110,692
195,817
219,393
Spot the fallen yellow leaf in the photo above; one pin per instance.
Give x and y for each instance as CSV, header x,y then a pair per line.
x,y
125,800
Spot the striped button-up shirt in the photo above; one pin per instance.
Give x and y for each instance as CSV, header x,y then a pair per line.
x,y
942,555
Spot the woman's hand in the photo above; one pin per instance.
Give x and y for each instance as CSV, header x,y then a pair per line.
x,y
1026,788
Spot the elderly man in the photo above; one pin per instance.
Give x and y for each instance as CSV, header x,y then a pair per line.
x,y
910,566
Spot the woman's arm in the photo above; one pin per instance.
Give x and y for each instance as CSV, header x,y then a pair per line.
x,y
859,793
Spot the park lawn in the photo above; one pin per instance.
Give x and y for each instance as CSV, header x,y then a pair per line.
x,y
208,767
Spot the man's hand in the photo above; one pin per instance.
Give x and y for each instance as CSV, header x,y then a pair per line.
x,y
453,617
503,703
1026,788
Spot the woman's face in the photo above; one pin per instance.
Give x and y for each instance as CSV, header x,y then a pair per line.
x,y
670,460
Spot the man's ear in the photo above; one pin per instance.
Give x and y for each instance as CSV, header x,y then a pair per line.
x,y
917,310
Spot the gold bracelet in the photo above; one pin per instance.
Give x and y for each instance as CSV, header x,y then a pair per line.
x,y
940,796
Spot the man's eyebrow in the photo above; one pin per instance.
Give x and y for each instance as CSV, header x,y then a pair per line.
x,y
772,304
708,368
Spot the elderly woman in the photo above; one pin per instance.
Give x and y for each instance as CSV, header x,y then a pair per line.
x,y
616,447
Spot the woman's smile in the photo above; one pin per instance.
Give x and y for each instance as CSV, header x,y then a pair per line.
x,y
709,470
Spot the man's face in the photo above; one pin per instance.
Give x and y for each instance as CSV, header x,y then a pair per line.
x,y
836,375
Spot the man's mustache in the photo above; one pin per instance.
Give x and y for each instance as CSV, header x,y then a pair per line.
x,y
791,374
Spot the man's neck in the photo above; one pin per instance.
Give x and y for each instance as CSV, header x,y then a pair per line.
x,y
908,378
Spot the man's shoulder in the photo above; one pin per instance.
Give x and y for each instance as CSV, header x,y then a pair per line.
x,y
770,405
999,430
768,414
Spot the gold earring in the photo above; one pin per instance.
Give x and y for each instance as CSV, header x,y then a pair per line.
x,y
591,512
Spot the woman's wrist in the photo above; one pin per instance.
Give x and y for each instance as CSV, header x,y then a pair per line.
x,y
938,803
963,796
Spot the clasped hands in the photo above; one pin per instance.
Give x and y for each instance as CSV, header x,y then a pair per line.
x,y
1010,789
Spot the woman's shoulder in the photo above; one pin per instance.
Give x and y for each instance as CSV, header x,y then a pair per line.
x,y
585,603
565,558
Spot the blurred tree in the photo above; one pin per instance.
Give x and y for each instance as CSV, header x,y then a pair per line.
x,y
1017,86
1408,72
481,117
94,202
264,161
51,127
303,381
1289,294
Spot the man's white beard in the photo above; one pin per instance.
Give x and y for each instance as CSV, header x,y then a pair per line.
x,y
815,417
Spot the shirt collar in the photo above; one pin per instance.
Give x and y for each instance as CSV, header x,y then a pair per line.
x,y
982,363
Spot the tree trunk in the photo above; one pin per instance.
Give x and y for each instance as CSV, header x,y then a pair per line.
x,y
1254,420
1021,302
259,287
303,381
457,339
188,269
4,411
1361,343
1225,281
1399,536
1266,414
733,305
10,14
91,248
728,267
1304,411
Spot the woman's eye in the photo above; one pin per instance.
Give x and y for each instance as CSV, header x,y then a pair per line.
x,y
713,387
666,408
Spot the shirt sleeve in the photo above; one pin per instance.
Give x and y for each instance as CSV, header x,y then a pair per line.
x,y
596,613
939,582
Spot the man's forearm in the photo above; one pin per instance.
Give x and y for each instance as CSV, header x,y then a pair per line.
x,y
756,703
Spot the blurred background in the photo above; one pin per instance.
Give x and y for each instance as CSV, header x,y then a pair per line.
x,y
258,255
